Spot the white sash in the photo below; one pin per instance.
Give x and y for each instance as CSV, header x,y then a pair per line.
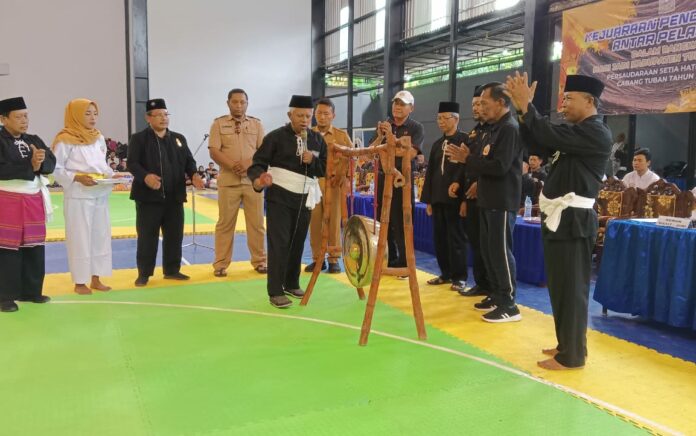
x,y
297,183
554,208
31,187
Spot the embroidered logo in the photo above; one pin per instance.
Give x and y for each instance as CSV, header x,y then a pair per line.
x,y
22,148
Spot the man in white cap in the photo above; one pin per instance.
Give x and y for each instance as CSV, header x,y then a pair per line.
x,y
400,124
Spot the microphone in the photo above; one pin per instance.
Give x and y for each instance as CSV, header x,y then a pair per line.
x,y
206,136
303,137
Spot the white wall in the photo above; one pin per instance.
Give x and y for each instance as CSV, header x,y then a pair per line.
x,y
200,50
63,49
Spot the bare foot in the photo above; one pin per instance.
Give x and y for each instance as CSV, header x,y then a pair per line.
x,y
549,351
553,365
82,290
99,286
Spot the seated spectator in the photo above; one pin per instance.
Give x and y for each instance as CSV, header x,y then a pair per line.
x,y
123,165
113,159
212,171
528,185
536,169
114,166
641,177
111,145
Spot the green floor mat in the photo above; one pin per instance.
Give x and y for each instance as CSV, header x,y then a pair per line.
x,y
146,369
122,212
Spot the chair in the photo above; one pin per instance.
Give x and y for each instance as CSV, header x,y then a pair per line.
x,y
686,203
614,201
660,198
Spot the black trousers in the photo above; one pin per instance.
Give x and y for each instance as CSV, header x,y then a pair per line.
x,y
149,219
286,231
22,272
396,237
473,233
568,267
450,242
496,250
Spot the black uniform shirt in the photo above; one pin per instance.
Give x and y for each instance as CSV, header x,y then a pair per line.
x,y
499,166
168,157
580,154
411,128
279,149
15,156
474,139
437,181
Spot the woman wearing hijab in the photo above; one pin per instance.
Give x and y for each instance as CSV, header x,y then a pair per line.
x,y
80,149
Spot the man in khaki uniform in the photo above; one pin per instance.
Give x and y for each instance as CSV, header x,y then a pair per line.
x,y
234,139
325,114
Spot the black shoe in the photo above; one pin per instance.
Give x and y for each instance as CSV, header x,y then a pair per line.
x,y
438,281
294,293
141,281
473,292
176,276
486,305
310,267
334,268
280,301
8,306
459,285
503,314
39,299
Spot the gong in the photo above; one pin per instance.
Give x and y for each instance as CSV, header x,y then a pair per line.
x,y
360,250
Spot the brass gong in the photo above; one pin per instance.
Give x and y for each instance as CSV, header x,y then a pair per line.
x,y
360,250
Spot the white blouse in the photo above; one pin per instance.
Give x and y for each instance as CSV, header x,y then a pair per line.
x,y
85,159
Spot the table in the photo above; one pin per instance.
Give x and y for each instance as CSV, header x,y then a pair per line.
x,y
527,245
649,270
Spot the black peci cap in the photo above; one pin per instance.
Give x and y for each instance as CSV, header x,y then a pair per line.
x,y
155,103
12,104
301,102
580,83
448,106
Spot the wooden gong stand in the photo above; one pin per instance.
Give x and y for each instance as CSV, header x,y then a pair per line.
x,y
388,152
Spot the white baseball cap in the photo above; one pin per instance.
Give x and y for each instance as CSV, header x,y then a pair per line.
x,y
404,96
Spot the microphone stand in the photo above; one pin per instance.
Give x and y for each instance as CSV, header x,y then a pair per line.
x,y
193,205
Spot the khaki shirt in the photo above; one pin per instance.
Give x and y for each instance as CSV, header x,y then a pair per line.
x,y
236,142
337,136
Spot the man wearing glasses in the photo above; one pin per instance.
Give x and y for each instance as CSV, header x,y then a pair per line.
x,y
160,160
448,227
234,138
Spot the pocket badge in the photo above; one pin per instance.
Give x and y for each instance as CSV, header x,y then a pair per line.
x,y
486,150
178,142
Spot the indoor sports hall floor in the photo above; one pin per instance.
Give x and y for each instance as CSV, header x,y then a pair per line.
x,y
212,357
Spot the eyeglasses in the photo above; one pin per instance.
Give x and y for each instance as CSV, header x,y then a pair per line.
x,y
164,115
442,118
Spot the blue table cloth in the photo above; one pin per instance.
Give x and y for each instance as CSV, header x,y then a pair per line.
x,y
650,271
527,245
528,249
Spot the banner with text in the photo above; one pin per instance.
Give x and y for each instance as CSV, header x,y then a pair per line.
x,y
643,50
